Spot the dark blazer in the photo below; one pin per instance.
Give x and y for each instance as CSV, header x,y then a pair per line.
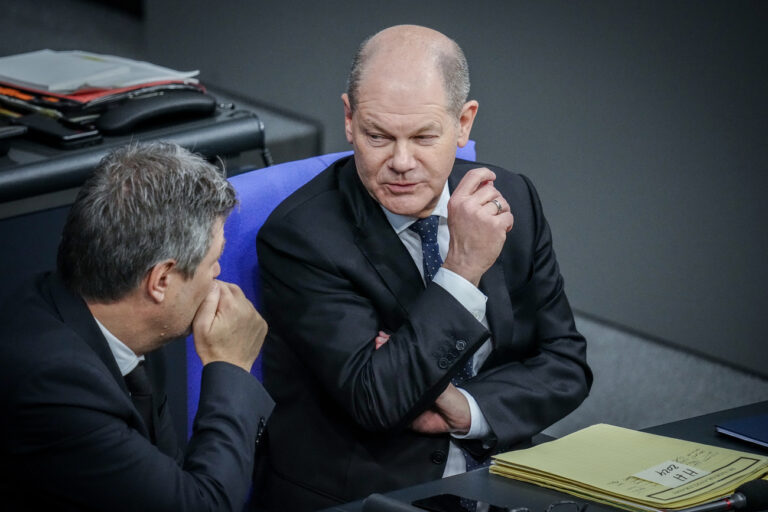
x,y
335,273
71,439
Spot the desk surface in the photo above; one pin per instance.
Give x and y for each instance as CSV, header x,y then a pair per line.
x,y
701,429
482,485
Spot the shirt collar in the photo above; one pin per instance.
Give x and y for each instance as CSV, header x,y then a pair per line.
x,y
126,359
401,222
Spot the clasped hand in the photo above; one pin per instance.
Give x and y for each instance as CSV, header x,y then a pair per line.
x,y
227,327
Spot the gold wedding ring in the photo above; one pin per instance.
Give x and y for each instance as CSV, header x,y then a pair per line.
x,y
498,205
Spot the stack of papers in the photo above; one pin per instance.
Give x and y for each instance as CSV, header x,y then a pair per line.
x,y
66,72
632,470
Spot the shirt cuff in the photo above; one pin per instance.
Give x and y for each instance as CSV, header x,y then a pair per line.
x,y
463,291
479,427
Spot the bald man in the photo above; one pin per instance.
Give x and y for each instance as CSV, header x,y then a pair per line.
x,y
417,312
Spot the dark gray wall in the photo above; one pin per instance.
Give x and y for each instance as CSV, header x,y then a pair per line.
x,y
642,123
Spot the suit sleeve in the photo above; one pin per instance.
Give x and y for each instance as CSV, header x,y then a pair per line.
x,y
323,304
525,390
71,434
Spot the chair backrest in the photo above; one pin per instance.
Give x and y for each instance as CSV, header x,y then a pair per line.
x,y
259,192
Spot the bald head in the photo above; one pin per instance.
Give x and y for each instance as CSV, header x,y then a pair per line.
x,y
411,51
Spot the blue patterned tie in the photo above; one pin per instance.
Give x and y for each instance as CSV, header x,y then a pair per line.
x,y
427,230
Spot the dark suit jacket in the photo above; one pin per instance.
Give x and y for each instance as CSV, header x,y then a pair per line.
x,y
335,273
71,439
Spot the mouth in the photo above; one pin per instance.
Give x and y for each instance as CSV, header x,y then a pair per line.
x,y
400,188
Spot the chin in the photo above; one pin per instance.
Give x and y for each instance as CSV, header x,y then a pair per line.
x,y
404,206
174,335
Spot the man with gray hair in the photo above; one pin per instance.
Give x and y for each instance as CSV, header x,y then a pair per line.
x,y
83,426
418,322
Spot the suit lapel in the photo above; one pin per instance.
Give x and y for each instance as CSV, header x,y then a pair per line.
x,y
378,242
75,313
499,312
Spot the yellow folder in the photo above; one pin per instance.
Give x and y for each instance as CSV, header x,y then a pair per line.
x,y
632,470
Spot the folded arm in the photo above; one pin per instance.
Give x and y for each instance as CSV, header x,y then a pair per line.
x,y
318,308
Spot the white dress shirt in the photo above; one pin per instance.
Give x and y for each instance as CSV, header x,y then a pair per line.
x,y
468,296
126,359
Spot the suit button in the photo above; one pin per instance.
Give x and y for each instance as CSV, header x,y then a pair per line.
x,y
260,430
450,356
443,363
438,457
461,345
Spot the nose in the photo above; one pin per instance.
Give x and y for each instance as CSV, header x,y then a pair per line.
x,y
402,157
216,270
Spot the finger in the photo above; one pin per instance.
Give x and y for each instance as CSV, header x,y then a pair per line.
x,y
236,291
489,198
507,220
233,290
496,206
380,340
430,422
473,180
209,306
421,421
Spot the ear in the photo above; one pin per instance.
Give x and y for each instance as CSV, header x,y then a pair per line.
x,y
347,117
159,279
466,118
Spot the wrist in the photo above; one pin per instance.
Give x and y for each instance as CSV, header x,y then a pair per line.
x,y
479,427
245,365
466,271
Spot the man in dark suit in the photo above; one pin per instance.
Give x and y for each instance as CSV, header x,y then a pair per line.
x,y
82,426
418,321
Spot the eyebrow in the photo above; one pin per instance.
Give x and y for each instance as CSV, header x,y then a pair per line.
x,y
371,124
428,127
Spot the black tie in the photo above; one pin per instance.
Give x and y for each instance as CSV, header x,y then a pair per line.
x,y
141,393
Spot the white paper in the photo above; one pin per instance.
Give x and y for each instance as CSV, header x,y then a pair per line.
x,y
68,71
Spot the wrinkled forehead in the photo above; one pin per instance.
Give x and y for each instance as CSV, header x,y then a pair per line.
x,y
402,83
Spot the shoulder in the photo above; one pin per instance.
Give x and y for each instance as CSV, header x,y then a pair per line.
x,y
318,209
321,190
504,177
29,322
514,186
57,395
36,342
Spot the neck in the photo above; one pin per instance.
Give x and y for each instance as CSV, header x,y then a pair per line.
x,y
124,320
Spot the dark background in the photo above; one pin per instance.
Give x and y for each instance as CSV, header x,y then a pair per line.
x,y
644,125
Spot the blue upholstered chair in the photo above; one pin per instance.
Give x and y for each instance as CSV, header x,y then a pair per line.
x,y
259,192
